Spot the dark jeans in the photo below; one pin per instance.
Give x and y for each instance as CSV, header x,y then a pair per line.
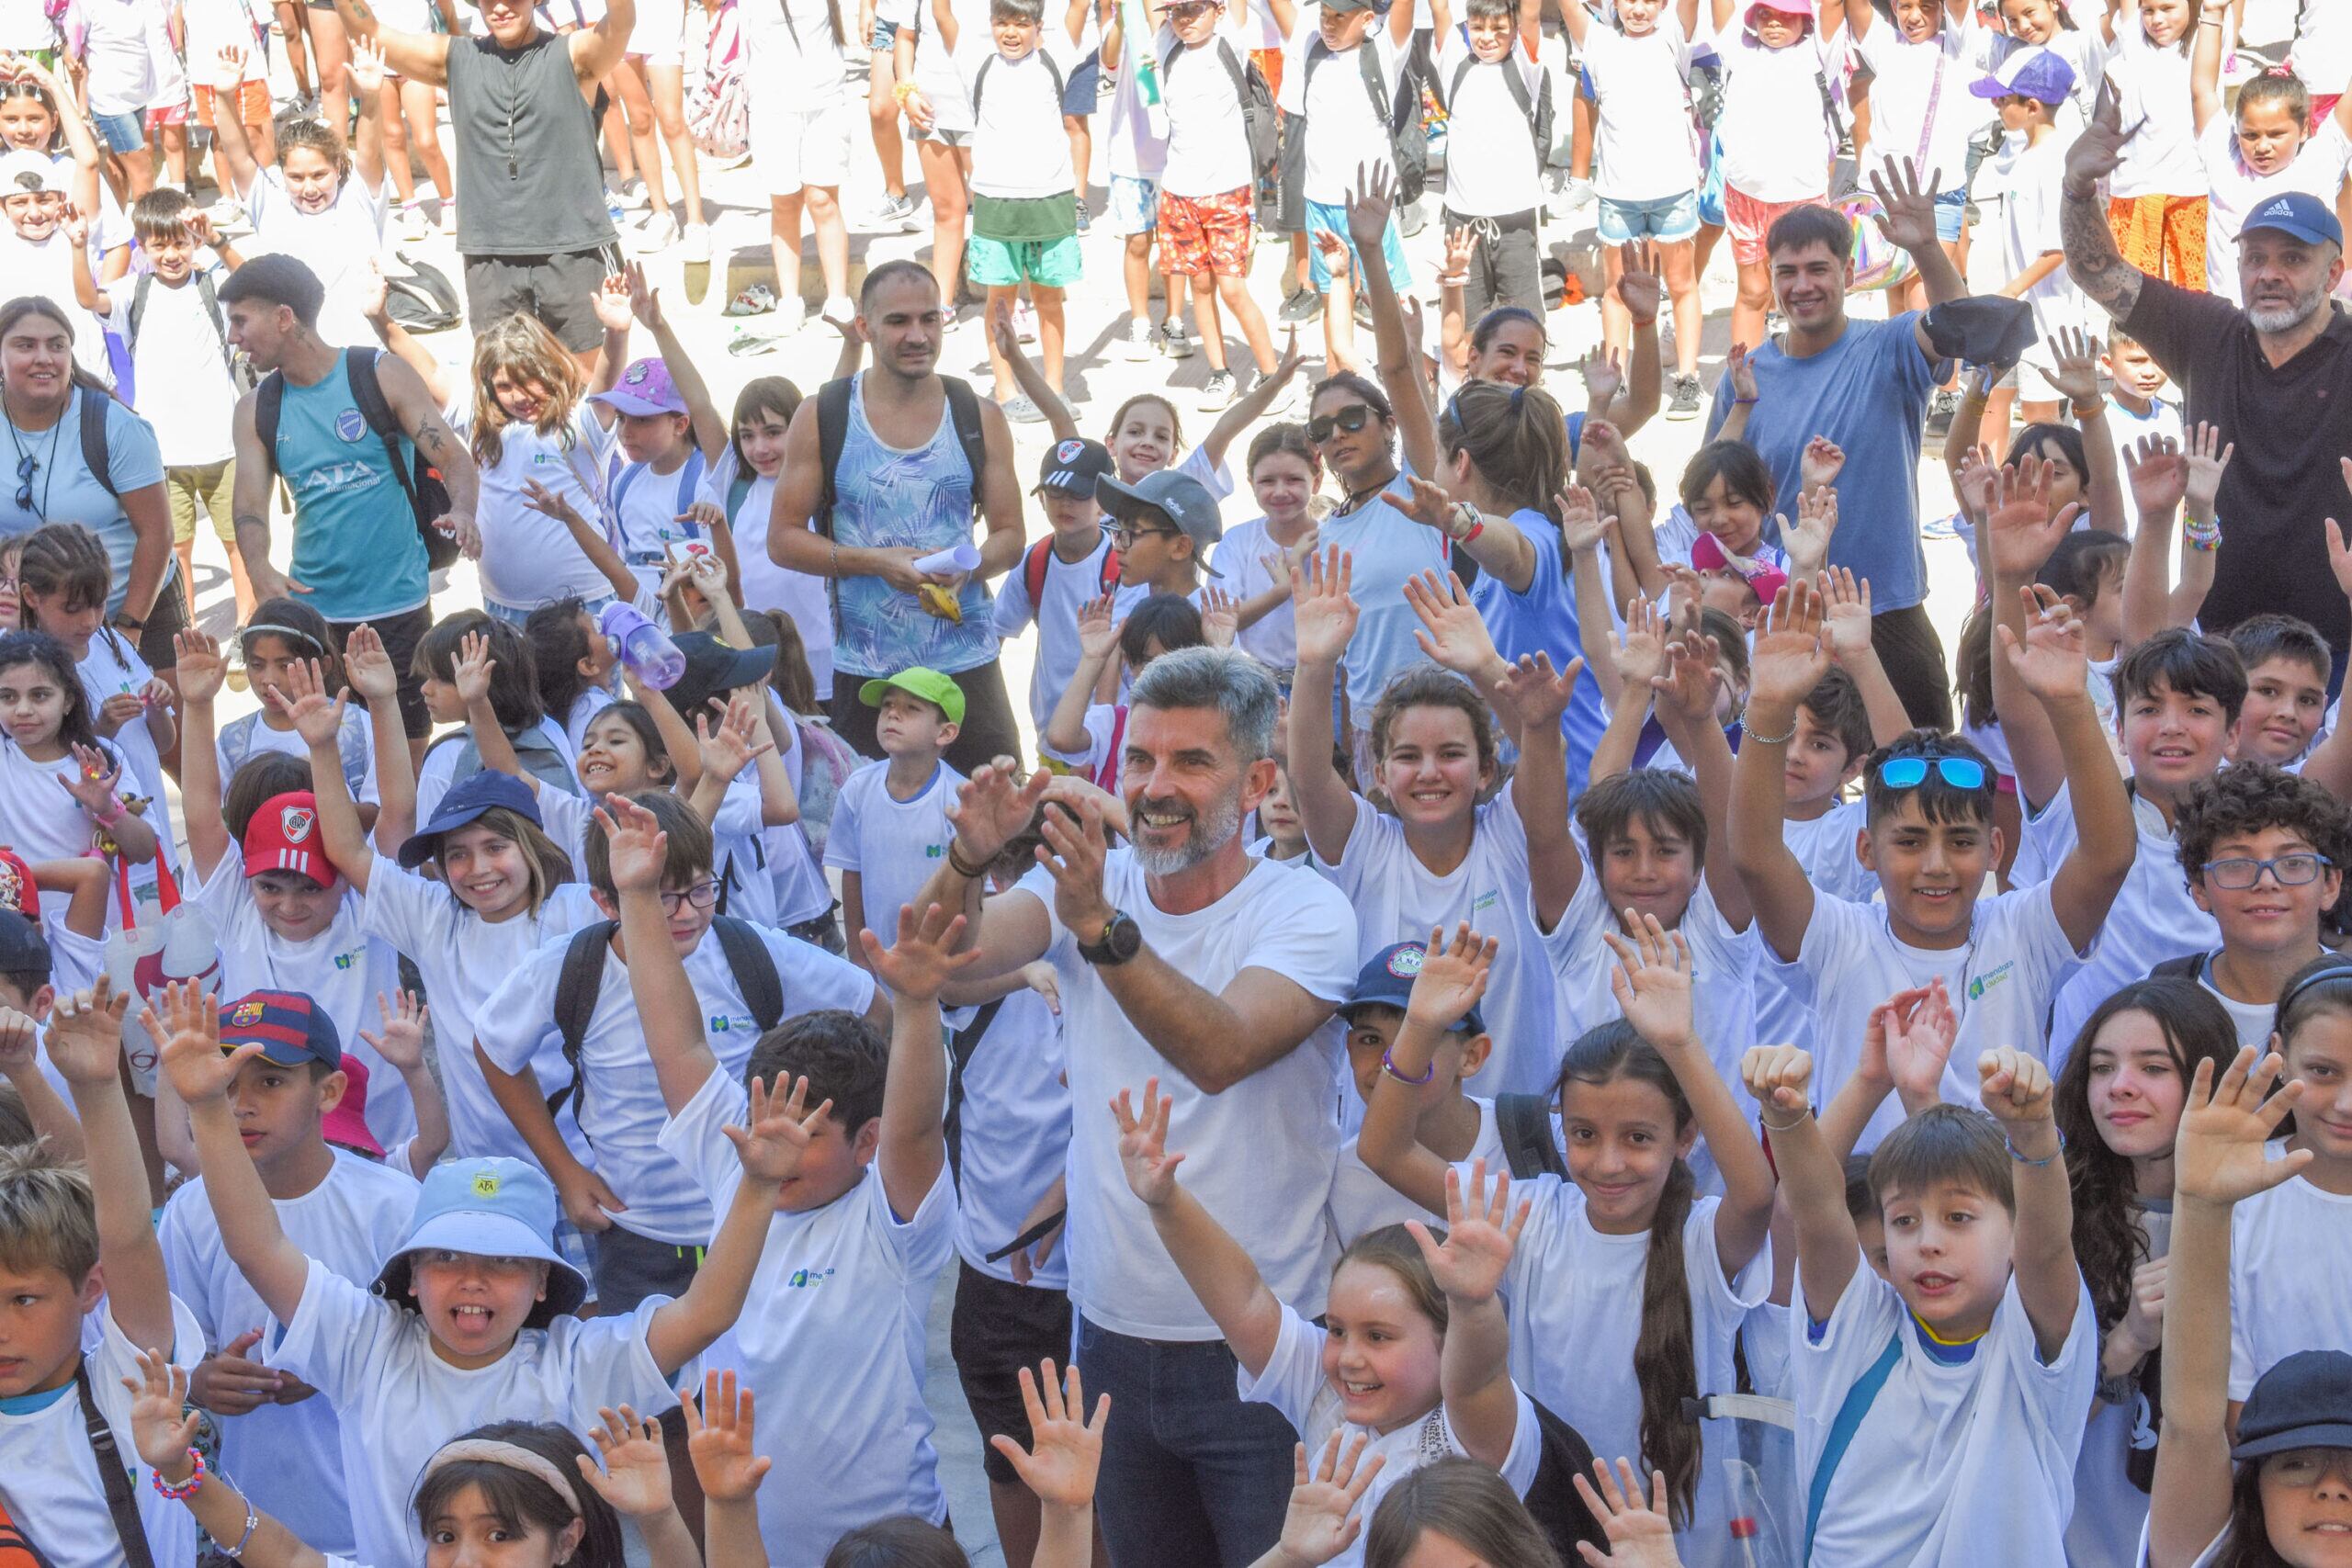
x,y
1192,1476
399,634
1914,656
988,731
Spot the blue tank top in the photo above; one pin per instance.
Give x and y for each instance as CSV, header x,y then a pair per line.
x,y
356,545
886,496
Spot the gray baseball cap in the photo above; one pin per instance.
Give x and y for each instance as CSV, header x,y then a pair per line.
x,y
1170,496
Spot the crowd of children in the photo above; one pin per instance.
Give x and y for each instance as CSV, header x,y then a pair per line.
x,y
1760,1128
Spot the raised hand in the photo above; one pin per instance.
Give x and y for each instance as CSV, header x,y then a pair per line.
x,y
18,1036
718,1439
1076,843
1919,1028
316,717
1532,695
611,304
1582,527
993,807
551,504
2157,474
1849,602
227,70
1425,503
203,669
1791,653
1638,286
1452,632
2142,1327
2218,1155
777,1130
1651,981
1807,540
1143,1145
644,300
1908,204
471,670
368,667
1220,616
1452,980
635,844
1066,1448
2022,529
1322,612
1742,371
1641,1533
400,1040
2098,151
189,1028
1322,1521
1481,1232
367,67
86,1034
636,1476
161,1427
1604,373
1777,1077
1336,260
1820,464
2207,459
1685,693
1369,206
2077,353
729,749
924,957
96,776
1977,481
2014,1087
1461,244
1640,654
2052,661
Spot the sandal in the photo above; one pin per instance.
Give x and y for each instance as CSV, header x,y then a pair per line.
x,y
756,300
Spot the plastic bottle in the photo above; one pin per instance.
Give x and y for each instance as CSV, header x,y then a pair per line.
x,y
645,647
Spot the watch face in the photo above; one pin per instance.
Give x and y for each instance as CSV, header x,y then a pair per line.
x,y
1123,937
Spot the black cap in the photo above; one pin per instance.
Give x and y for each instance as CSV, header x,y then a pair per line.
x,y
1073,465
23,949
714,667
2304,1402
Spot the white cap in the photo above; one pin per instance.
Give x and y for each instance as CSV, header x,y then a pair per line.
x,y
25,170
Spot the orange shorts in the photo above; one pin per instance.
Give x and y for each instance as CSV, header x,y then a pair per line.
x,y
253,104
1206,234
2164,236
1748,221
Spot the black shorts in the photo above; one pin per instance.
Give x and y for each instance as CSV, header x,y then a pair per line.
x,y
630,1268
159,638
997,1328
558,288
400,634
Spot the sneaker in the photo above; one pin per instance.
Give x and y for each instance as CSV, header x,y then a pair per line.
x,y
1940,527
448,215
413,225
1578,194
658,233
227,214
1217,392
1085,218
756,300
1941,410
1174,341
1024,322
1285,402
630,192
791,313
1687,394
1303,305
896,215
695,243
1137,344
1021,411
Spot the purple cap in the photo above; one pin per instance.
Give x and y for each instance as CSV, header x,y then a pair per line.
x,y
645,388
2036,74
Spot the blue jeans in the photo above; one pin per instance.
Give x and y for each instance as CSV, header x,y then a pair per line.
x,y
1192,1476
519,618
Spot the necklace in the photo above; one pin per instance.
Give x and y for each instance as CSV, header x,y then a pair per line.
x,y
26,463
1356,498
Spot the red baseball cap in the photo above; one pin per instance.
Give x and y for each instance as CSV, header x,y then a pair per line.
x,y
19,891
284,836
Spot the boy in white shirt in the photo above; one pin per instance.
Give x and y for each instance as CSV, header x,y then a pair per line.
x,y
1061,573
346,1212
1024,200
1499,110
835,1333
2030,173
890,824
1940,1409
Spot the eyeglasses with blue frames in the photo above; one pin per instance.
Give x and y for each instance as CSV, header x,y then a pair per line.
x,y
2240,873
1910,773
702,896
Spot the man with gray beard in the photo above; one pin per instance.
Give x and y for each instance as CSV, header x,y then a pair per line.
x,y
1182,959
2274,378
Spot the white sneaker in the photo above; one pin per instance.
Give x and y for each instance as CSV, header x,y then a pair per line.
x,y
659,231
1173,340
413,225
1217,392
695,243
1137,344
840,309
1024,322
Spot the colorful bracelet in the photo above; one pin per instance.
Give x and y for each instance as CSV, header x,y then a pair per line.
x,y
111,818
2205,535
2037,1164
1388,1065
186,1489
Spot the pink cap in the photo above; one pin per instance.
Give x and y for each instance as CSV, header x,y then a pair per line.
x,y
346,1126
1707,554
1786,7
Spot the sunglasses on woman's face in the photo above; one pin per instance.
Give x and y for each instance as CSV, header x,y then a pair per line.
x,y
1352,419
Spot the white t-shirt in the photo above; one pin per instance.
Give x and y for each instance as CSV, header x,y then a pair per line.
x,y
1019,148
2153,92
463,960
1398,899
936,74
2085,48
1502,178
1264,1149
1575,1299
2030,181
249,735
767,586
790,50
1920,97
1241,560
1955,1465
2153,918
1643,138
46,268
373,1360
1361,1202
1342,131
111,667
2289,1251
893,845
48,1476
289,1458
181,380
620,1106
1293,1383
209,24
336,243
2235,190
2322,52
2000,981
833,1337
41,821
529,558
121,69
1208,150
1775,133
1825,847
343,970
1014,1122
1069,588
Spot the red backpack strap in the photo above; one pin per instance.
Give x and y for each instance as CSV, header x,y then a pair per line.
x,y
1110,576
1107,776
1032,573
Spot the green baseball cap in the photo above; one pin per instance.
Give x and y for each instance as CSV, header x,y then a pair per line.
x,y
928,684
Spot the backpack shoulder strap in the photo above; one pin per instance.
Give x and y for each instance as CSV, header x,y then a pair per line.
x,y
963,1044
211,297
1368,65
269,402
624,482
1461,75
114,1474
139,292
833,431
753,966
95,456
980,82
1053,69
1033,572
577,986
1108,578
359,370
1857,1402
1515,78
1524,1124
736,489
689,478
964,409
2187,966
1232,68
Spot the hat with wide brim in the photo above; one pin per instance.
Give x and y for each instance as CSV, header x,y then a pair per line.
x,y
492,1208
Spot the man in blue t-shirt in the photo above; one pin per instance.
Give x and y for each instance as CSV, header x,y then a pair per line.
x,y
1864,385
358,556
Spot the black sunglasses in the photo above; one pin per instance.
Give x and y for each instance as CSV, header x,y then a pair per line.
x,y
25,466
1352,419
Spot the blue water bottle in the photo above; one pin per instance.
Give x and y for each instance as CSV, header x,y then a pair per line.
x,y
645,647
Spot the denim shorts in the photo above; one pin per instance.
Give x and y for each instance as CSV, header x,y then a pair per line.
x,y
1084,88
1331,217
122,132
518,618
885,39
1135,205
1951,215
1667,219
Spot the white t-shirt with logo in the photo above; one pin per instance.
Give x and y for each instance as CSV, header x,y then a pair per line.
x,y
2290,1252
893,845
530,558
1643,138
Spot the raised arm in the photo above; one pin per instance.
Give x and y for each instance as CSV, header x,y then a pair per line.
x,y
2049,661
164,1429
1251,406
419,56
317,717
666,1006
1398,367
2205,98
1098,644
1536,698
645,302
2017,1091
2078,379
370,670
201,671
1025,373
2098,268
1473,1370
85,1043
236,152
1451,982
591,540
1791,656
2016,539
913,1147
595,50
1812,1176
368,95
777,1131
2158,479
1219,1272
1685,700
1325,617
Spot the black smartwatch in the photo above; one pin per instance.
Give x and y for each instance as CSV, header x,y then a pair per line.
x,y
1121,939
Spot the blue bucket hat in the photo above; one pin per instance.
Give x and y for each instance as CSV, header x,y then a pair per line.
x,y
467,800
493,1208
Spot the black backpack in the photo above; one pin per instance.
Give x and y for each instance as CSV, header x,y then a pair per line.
x,y
1399,111
423,299
1260,124
95,456
1552,1496
981,80
582,980
240,367
1537,108
1523,1122
419,481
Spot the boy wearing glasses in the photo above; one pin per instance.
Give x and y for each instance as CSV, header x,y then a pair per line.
x,y
650,1217
1929,841
891,826
1162,527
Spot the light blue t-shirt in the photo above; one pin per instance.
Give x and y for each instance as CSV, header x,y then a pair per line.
x,y
1385,548
64,491
1544,620
1867,392
356,545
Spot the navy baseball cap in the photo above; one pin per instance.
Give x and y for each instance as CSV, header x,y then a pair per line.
x,y
1386,981
23,949
1073,465
2307,218
467,800
290,1028
714,667
2304,1402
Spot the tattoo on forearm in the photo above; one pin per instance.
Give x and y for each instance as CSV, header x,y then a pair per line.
x,y
2098,269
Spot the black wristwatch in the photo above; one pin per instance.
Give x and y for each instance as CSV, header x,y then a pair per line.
x,y
1121,939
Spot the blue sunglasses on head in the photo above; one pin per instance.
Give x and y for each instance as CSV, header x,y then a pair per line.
x,y
1910,773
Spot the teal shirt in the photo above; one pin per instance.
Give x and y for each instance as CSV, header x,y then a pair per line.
x,y
356,545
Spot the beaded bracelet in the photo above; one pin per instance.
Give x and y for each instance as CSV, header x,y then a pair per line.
x,y
253,1523
1388,1065
186,1489
2037,1164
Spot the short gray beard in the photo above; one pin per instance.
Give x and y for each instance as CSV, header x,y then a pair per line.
x,y
1206,836
2287,317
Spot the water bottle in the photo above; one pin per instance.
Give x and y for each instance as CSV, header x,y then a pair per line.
x,y
645,647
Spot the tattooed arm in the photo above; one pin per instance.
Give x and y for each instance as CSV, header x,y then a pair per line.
x,y
405,390
2098,268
